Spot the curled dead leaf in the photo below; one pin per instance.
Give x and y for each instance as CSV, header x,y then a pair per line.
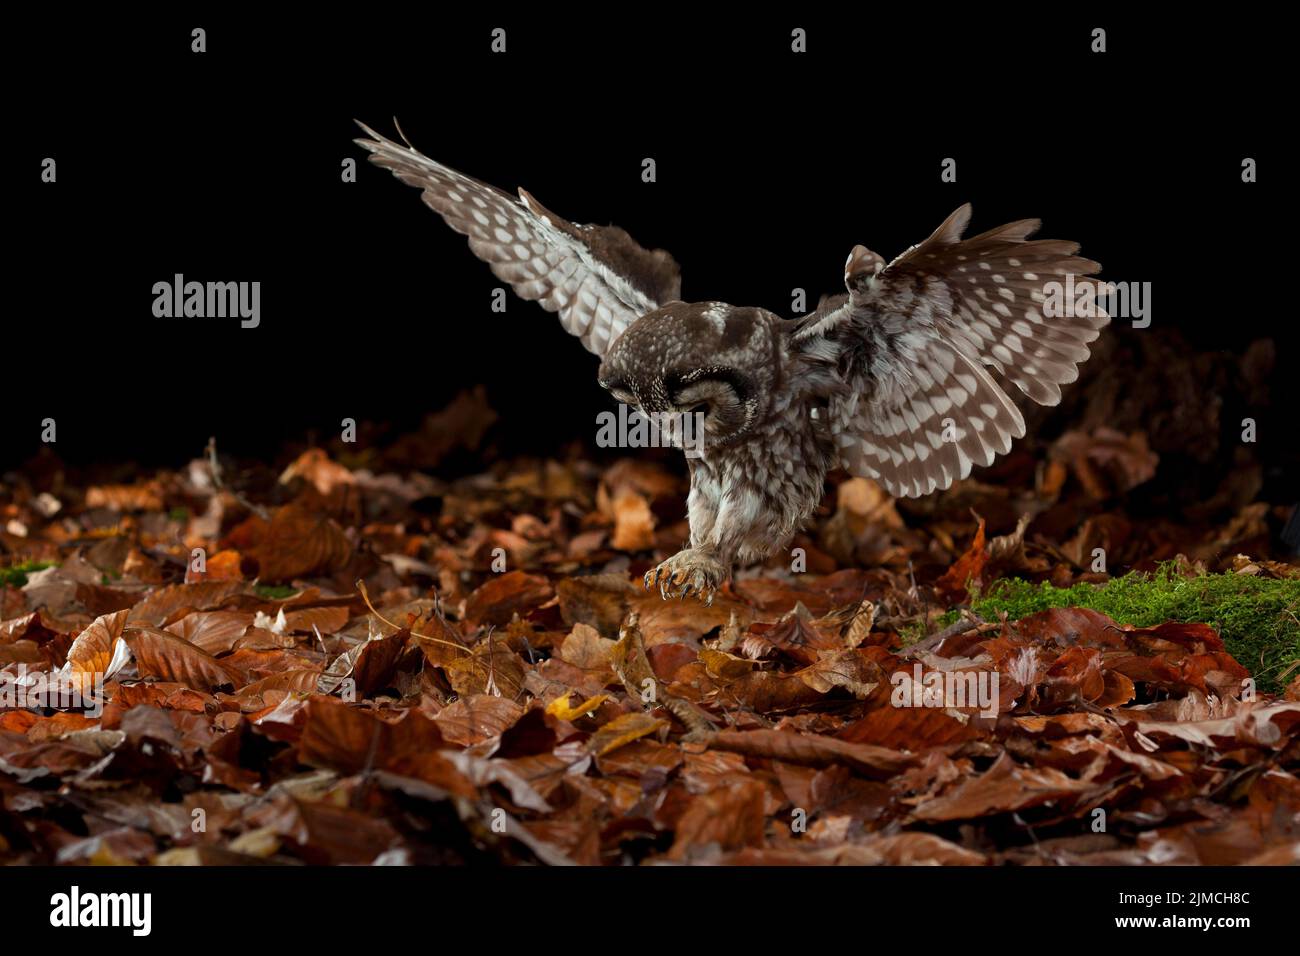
x,y
164,656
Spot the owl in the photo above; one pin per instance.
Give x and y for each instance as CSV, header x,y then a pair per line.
x,y
903,378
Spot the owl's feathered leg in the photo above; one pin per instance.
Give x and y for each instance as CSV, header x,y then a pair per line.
x,y
694,571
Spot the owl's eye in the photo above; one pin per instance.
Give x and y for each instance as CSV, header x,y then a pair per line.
x,y
705,394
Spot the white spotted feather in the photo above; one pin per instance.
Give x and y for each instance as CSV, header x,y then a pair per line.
x,y
914,345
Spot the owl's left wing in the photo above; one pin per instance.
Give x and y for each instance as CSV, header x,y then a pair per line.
x,y
920,345
598,278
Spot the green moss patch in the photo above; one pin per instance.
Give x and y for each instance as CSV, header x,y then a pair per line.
x,y
17,574
275,592
1258,618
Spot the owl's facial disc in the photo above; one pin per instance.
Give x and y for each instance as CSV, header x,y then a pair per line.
x,y
719,395
719,400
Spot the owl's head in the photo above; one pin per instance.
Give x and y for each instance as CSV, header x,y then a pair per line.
x,y
707,359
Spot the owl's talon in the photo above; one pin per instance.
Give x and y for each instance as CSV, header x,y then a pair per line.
x,y
690,573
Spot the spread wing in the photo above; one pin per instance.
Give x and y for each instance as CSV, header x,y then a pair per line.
x,y
921,348
597,278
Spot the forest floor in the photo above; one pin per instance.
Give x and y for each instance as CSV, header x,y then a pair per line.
x,y
349,661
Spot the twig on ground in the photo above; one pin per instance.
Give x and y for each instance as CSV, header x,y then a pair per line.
x,y
214,467
969,623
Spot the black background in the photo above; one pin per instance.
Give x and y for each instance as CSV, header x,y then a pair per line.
x,y
226,166
365,907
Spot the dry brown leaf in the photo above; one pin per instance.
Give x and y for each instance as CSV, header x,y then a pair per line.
x,y
811,749
348,739
215,632
503,596
1004,787
471,720
92,651
164,656
297,543
725,818
585,648
161,607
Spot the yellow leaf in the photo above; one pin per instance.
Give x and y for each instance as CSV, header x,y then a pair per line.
x,y
726,666
560,708
104,856
622,730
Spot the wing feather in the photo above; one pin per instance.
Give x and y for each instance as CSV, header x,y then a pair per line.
x,y
914,347
597,278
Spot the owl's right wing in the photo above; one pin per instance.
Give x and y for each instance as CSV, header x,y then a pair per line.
x,y
916,345
597,278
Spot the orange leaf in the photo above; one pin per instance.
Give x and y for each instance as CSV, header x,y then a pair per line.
x,y
92,651
967,568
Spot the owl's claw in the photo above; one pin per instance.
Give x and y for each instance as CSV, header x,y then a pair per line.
x,y
690,573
